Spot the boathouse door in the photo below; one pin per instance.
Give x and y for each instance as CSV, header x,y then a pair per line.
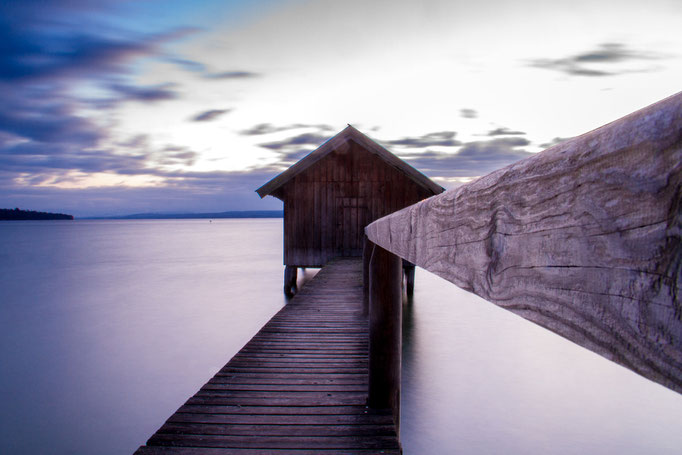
x,y
352,218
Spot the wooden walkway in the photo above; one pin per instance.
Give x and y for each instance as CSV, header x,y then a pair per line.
x,y
298,387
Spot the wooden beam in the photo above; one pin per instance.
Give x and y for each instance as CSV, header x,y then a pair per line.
x,y
408,268
385,331
584,239
367,248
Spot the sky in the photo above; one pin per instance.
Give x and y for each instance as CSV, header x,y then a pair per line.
x,y
114,107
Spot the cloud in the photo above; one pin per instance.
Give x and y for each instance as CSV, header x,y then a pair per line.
x,y
59,39
441,138
49,124
187,64
606,59
504,132
39,158
138,141
288,158
268,128
161,92
472,159
293,148
194,66
209,115
135,157
304,139
176,155
261,128
468,113
555,141
232,75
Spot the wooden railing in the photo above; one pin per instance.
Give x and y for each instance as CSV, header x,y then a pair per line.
x,y
584,239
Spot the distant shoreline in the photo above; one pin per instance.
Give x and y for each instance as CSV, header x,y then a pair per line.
x,y
27,215
182,216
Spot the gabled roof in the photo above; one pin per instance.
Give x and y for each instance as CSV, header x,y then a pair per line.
x,y
347,134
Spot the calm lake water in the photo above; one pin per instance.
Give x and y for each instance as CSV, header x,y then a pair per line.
x,y
107,327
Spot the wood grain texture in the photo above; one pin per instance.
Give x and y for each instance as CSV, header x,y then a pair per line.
x,y
300,385
583,239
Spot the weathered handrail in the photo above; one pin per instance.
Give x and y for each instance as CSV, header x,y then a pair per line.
x,y
584,239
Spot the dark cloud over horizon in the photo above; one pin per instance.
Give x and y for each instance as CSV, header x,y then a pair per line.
x,y
183,192
607,59
472,159
440,138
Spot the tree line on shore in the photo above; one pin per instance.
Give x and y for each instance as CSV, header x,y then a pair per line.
x,y
18,214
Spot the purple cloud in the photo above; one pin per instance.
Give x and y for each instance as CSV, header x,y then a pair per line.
x,y
504,132
50,124
441,138
269,128
472,159
607,57
161,92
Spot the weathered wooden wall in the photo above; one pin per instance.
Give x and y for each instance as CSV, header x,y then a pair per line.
x,y
583,239
327,206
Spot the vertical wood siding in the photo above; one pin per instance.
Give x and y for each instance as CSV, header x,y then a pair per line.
x,y
327,206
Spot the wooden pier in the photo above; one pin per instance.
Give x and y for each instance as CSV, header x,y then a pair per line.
x,y
300,386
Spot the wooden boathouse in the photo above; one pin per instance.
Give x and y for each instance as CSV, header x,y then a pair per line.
x,y
334,192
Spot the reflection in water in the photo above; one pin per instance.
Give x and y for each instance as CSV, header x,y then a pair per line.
x,y
480,380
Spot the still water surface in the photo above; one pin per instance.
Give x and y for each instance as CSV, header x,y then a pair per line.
x,y
106,327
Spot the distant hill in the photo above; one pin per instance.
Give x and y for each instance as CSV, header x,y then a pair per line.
x,y
175,216
18,214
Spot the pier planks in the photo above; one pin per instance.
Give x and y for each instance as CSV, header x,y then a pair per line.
x,y
298,387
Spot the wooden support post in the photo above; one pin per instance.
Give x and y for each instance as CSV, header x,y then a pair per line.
x,y
408,268
385,331
290,275
367,247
